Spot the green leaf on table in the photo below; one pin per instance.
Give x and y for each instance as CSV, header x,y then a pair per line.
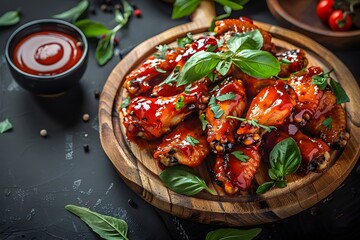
x,y
74,13
232,4
123,18
92,29
183,180
106,226
184,8
105,49
5,126
10,18
233,234
257,63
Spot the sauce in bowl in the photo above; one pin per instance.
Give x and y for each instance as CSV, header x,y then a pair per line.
x,y
47,53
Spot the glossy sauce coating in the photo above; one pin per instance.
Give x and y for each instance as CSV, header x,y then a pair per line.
x,y
47,53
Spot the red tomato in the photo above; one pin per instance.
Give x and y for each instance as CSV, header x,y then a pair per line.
x,y
324,9
337,22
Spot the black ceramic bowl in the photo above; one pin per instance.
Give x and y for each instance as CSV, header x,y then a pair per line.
x,y
54,83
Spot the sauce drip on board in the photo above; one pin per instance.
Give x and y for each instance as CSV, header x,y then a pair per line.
x,y
47,53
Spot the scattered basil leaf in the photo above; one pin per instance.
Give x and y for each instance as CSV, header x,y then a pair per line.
x,y
74,13
159,70
320,81
257,63
197,66
226,97
341,96
10,18
182,8
92,29
204,122
106,226
125,102
285,61
105,49
180,103
263,188
285,158
182,42
240,155
233,234
327,122
183,180
192,141
215,108
172,78
253,122
187,89
162,49
5,126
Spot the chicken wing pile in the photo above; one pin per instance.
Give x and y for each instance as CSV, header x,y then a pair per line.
x,y
233,117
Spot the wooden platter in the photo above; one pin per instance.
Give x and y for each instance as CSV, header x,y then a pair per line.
x,y
140,171
301,16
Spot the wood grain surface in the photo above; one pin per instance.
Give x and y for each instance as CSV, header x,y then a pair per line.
x,y
301,16
140,171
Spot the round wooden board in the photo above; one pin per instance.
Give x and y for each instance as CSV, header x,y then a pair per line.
x,y
140,171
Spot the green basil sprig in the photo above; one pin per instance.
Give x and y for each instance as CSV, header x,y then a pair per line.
x,y
5,126
91,29
107,227
244,52
321,81
182,8
285,159
10,18
183,180
74,13
232,233
253,122
327,122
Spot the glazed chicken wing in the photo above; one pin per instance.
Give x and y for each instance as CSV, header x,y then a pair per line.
x,y
234,174
228,100
143,78
185,145
150,118
271,107
226,27
291,61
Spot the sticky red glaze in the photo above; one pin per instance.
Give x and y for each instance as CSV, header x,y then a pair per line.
x,y
297,60
175,144
234,174
47,53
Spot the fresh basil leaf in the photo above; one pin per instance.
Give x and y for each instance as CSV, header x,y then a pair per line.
x,y
74,13
281,183
257,63
162,49
204,122
226,97
192,141
159,70
341,96
223,67
5,126
263,188
215,108
180,103
233,234
182,42
125,102
106,226
285,156
327,122
240,155
92,29
247,40
105,49
197,66
320,81
10,18
181,180
172,77
184,8
231,4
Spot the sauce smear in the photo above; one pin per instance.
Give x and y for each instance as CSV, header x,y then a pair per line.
x,y
47,53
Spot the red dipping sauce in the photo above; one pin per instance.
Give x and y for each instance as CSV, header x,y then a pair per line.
x,y
47,53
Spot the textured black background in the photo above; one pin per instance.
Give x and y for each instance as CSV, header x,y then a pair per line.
x,y
39,176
